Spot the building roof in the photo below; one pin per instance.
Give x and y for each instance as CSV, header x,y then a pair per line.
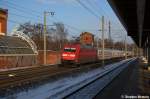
x,y
14,45
135,17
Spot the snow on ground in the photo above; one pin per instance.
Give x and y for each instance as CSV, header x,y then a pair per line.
x,y
52,88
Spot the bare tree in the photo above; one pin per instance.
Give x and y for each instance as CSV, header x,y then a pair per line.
x,y
61,34
56,36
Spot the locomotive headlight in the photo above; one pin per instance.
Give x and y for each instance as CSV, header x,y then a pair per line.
x,y
64,54
72,55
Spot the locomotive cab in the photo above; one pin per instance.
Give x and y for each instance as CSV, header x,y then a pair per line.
x,y
69,54
78,54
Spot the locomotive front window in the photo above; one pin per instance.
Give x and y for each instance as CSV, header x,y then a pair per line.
x,y
69,49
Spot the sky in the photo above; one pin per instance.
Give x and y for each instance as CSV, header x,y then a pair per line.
x,y
77,15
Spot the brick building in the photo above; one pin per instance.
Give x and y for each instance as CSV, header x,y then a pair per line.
x,y
3,21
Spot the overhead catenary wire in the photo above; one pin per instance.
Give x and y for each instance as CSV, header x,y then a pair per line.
x,y
101,8
87,8
108,16
95,7
36,13
91,11
104,12
23,16
19,6
24,11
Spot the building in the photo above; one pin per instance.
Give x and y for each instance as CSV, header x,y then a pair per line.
x,y
3,21
87,38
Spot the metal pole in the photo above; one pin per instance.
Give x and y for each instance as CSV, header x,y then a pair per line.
x,y
103,46
109,27
44,38
45,34
125,48
148,46
97,43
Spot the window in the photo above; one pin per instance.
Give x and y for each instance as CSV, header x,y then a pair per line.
x,y
69,49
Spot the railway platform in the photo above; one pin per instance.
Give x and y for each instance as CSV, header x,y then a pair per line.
x,y
132,82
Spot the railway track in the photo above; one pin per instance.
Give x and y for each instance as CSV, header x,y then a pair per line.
x,y
97,84
23,78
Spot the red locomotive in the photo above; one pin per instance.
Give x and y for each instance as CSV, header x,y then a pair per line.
x,y
84,52
78,53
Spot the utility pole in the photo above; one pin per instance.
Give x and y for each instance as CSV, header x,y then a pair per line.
x,y
97,43
103,46
45,13
110,40
109,27
45,34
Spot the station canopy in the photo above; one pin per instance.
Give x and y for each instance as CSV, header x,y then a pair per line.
x,y
14,45
135,17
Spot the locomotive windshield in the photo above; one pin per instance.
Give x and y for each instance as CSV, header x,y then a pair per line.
x,y
69,49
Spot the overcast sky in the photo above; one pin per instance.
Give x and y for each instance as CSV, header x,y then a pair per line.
x,y
77,17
